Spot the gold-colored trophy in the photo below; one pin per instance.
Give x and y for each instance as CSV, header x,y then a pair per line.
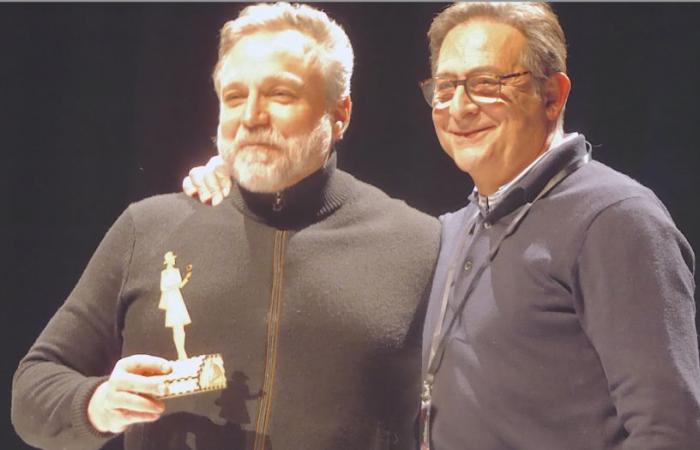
x,y
189,375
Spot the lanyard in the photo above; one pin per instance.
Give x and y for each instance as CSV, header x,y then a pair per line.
x,y
439,340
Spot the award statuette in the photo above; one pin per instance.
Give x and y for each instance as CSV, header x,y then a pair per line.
x,y
189,375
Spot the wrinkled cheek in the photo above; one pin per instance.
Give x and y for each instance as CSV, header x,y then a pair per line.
x,y
225,136
440,124
225,147
445,141
438,120
227,129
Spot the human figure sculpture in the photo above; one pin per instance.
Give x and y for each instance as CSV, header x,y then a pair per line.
x,y
176,315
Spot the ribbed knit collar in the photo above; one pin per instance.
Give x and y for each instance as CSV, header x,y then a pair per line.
x,y
300,205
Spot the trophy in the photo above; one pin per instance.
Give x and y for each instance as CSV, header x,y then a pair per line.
x,y
189,375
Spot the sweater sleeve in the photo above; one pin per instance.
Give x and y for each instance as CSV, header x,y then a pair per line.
x,y
75,353
635,274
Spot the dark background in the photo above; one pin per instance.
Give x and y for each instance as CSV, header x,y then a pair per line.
x,y
102,105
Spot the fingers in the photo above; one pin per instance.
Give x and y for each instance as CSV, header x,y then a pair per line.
x,y
111,410
187,186
132,417
130,395
211,182
217,179
139,374
196,177
146,385
144,365
128,402
222,173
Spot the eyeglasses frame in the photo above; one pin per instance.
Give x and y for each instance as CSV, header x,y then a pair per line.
x,y
463,82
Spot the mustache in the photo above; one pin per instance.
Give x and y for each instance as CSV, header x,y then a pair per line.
x,y
267,136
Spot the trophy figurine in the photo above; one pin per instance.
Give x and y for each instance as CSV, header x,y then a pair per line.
x,y
189,375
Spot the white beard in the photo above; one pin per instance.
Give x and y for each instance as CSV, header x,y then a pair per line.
x,y
281,162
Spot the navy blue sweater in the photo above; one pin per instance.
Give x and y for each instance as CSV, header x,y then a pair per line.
x,y
581,333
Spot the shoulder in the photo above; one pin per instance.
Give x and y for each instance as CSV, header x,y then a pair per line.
x,y
614,208
371,203
597,187
163,211
641,223
162,204
176,204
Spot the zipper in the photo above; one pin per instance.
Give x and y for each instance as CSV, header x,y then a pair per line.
x,y
262,423
278,202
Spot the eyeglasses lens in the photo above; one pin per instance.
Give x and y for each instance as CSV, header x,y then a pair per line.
x,y
482,89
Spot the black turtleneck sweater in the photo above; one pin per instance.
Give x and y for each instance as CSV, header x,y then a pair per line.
x,y
314,297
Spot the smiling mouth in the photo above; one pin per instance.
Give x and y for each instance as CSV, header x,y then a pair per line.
x,y
471,134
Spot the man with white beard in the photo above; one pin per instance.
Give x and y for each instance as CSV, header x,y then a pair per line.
x,y
310,284
561,313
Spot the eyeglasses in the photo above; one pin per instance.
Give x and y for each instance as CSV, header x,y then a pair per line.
x,y
482,88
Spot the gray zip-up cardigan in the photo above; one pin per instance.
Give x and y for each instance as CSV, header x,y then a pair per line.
x,y
316,309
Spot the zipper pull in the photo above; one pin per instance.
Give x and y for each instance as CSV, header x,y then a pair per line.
x,y
278,203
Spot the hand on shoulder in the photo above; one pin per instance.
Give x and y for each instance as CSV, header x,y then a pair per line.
x,y
209,183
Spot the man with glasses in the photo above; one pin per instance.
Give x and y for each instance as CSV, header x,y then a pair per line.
x,y
561,314
562,311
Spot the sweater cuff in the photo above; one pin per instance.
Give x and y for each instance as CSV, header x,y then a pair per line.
x,y
79,418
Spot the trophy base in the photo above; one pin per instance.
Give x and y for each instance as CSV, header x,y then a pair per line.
x,y
195,375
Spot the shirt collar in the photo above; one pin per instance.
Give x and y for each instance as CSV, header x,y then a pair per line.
x,y
486,203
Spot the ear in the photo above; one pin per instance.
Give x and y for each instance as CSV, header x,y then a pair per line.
x,y
340,117
556,91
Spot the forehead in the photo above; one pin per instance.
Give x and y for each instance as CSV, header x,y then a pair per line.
x,y
480,43
268,53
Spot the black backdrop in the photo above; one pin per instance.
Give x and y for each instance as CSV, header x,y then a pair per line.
x,y
102,105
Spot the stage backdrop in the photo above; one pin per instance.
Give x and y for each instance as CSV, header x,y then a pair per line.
x,y
103,105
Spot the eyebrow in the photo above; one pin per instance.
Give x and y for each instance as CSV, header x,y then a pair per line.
x,y
283,78
479,69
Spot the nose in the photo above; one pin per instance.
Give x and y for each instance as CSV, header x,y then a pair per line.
x,y
255,112
461,105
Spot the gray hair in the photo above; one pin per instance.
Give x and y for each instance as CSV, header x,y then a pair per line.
x,y
334,50
545,51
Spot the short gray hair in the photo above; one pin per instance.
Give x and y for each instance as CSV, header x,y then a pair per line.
x,y
545,51
335,53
